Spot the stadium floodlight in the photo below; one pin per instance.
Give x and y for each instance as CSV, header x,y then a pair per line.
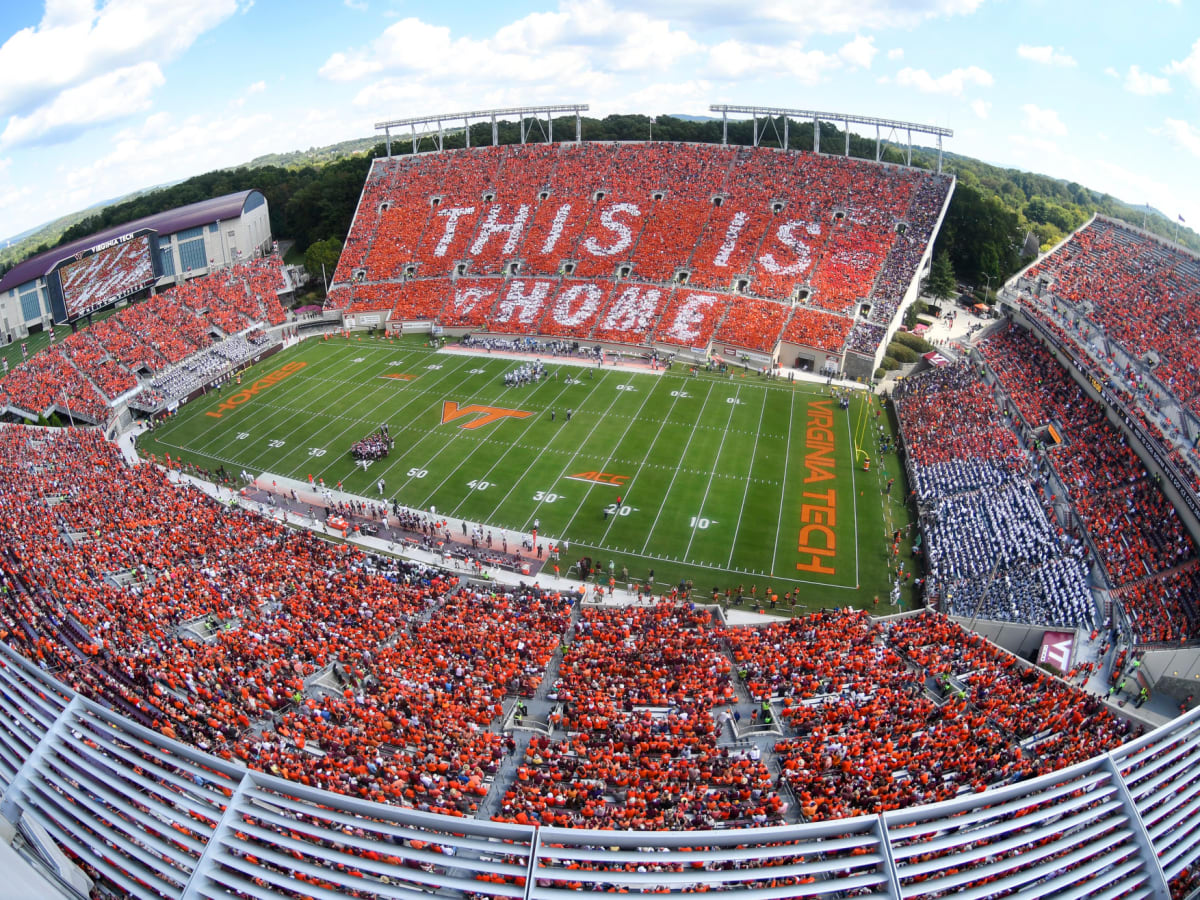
x,y
892,125
428,123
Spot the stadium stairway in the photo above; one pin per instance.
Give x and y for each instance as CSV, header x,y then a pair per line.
x,y
539,708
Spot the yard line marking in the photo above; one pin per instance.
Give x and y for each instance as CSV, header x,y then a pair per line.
x,y
530,422
270,426
646,395
603,379
691,434
783,493
746,491
307,416
629,487
667,559
431,433
416,396
708,486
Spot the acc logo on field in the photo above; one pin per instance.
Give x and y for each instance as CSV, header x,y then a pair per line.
x,y
487,414
600,478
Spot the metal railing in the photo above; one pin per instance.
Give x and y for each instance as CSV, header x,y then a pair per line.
x,y
151,817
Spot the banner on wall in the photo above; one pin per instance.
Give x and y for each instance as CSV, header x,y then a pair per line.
x,y
1057,648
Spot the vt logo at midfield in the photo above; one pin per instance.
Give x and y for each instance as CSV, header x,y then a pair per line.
x,y
486,414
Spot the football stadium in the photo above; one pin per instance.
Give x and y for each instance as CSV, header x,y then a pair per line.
x,y
578,541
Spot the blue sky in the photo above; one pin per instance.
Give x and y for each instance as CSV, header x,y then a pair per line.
x,y
101,98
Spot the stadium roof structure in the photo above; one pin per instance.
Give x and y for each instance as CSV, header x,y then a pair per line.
x,y
427,123
227,206
892,126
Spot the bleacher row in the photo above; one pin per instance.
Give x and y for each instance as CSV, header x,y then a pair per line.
x,y
909,712
1151,561
181,614
532,237
87,370
1142,294
993,549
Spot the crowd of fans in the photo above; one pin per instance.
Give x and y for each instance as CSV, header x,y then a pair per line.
x,y
635,694
822,331
98,278
90,368
180,612
915,711
1143,293
929,198
1139,537
208,367
992,548
750,225
122,561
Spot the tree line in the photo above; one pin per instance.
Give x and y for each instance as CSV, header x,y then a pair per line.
x,y
991,217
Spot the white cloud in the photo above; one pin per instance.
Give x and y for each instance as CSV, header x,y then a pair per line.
x,y
106,98
687,97
1111,72
1189,66
953,83
571,47
11,195
859,52
735,59
1042,121
981,108
1184,135
895,53
163,148
806,17
1047,55
1035,148
75,43
256,88
357,5
1145,84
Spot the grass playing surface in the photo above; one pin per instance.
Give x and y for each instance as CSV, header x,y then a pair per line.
x,y
724,481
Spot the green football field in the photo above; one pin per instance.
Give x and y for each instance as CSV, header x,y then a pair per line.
x,y
723,480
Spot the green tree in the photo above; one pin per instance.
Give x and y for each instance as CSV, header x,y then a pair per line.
x,y
941,277
322,253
